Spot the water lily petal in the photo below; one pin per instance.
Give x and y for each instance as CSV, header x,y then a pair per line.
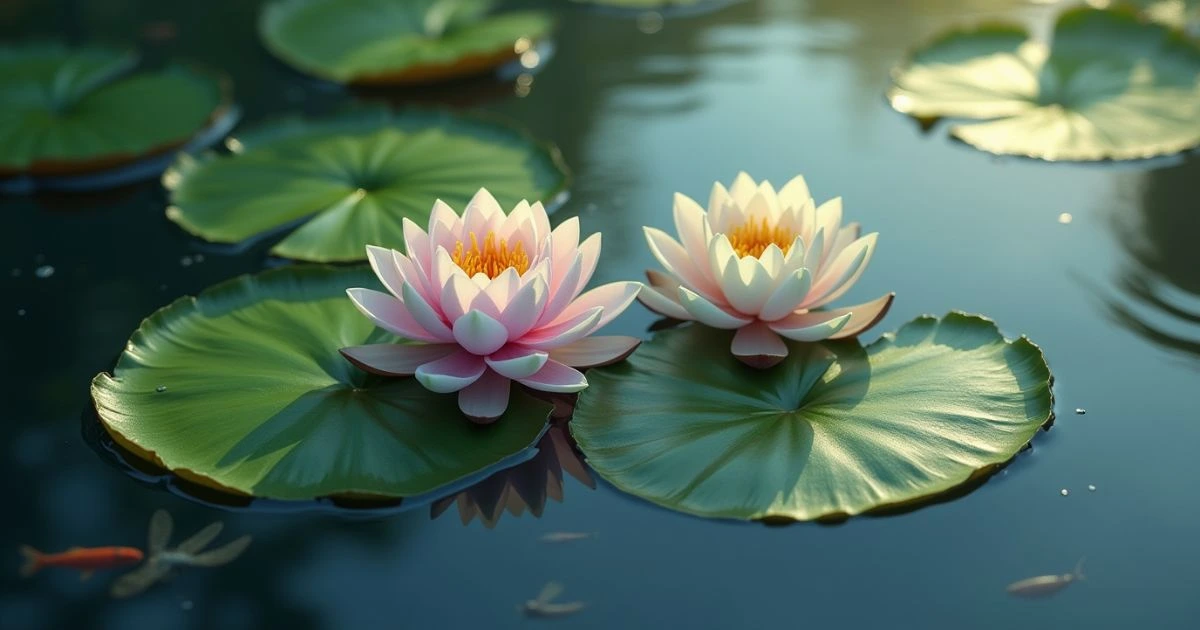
x,y
595,351
445,227
558,301
541,221
412,274
756,345
708,313
556,377
525,308
563,332
479,333
845,236
842,273
795,194
759,209
743,189
614,298
816,250
486,399
396,359
747,285
418,247
384,266
863,316
502,288
787,297
451,373
675,259
564,245
389,313
772,260
589,257
720,257
482,215
691,226
811,326
424,314
457,295
515,361
663,302
767,192
718,200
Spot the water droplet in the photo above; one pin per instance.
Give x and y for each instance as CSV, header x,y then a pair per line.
x,y
523,44
45,271
186,261
186,604
160,389
1091,488
1064,218
1064,492
20,312
1080,411
650,22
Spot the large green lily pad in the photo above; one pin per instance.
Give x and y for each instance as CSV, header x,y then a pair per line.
x,y
242,388
397,41
350,180
1111,86
834,430
65,111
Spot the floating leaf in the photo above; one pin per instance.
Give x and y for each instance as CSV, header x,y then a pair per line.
x,y
66,112
834,430
1110,87
397,41
350,180
242,388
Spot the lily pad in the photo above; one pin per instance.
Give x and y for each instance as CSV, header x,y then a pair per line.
x,y
1110,87
834,430
397,41
242,388
71,111
349,181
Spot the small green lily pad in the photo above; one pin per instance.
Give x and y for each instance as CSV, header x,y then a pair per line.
x,y
1111,86
350,180
834,430
70,111
242,388
397,41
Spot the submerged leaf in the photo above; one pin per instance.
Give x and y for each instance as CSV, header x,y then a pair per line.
x,y
834,430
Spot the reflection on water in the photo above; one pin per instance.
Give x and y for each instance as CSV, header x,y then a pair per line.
x,y
524,487
1159,286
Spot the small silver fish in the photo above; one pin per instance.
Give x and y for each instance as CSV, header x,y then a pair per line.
x,y
1046,585
562,537
544,607
161,561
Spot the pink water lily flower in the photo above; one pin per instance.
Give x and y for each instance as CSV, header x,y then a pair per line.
x,y
492,298
762,262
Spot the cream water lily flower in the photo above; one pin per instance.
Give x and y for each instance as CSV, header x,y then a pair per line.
x,y
762,262
492,298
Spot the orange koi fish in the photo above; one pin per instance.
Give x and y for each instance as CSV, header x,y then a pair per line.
x,y
85,560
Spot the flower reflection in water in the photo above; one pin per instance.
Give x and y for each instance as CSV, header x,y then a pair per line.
x,y
1161,282
522,487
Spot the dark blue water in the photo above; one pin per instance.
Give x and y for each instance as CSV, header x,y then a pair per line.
x,y
775,87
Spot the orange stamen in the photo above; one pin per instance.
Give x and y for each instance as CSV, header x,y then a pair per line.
x,y
752,238
489,260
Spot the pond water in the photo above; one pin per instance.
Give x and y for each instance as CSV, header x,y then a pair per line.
x,y
642,110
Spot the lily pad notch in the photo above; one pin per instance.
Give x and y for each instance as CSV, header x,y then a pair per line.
x,y
1110,86
242,389
398,42
333,186
835,430
89,118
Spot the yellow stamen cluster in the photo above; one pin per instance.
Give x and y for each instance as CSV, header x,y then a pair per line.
x,y
752,238
489,260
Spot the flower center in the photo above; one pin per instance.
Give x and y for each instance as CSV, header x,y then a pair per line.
x,y
489,260
752,238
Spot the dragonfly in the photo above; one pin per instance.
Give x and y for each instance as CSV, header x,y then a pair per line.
x,y
162,562
544,606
